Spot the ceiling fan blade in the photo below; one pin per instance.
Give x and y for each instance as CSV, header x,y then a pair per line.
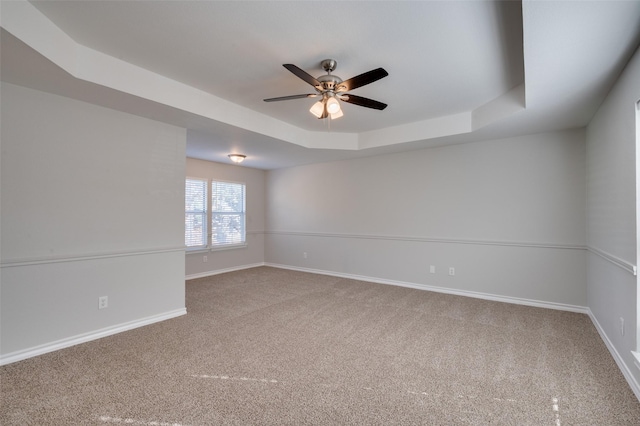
x,y
286,98
302,75
362,79
360,101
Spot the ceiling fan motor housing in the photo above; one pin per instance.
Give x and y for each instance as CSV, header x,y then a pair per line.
x,y
329,82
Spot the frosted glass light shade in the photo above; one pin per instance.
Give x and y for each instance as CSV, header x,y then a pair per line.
x,y
333,106
336,114
317,109
237,158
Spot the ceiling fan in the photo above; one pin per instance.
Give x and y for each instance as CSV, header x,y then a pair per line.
x,y
332,89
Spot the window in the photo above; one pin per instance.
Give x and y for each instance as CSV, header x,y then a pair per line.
x,y
195,213
227,213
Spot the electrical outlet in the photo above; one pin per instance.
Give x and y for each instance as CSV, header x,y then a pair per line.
x,y
103,302
304,254
452,271
621,326
432,269
205,259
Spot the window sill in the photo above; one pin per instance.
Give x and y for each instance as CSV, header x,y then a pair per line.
x,y
201,250
196,250
229,247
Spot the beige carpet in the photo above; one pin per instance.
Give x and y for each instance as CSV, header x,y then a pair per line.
x,y
269,346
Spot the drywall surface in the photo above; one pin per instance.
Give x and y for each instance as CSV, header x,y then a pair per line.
x,y
91,206
611,211
508,215
229,259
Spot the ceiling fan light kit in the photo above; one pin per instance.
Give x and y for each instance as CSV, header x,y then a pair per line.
x,y
332,88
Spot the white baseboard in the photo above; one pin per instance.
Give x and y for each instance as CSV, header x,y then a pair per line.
x,y
87,337
466,293
633,383
222,271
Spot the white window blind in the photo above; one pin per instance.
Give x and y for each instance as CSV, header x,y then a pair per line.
x,y
195,213
227,213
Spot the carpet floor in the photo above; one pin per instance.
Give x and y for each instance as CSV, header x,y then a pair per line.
x,y
266,346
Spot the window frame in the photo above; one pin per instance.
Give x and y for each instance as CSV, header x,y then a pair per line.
x,y
209,217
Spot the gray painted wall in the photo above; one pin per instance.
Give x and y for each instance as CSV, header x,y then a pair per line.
x,y
508,215
611,208
253,254
92,205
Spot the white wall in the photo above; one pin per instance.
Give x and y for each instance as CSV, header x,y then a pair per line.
x,y
507,214
236,258
92,205
611,210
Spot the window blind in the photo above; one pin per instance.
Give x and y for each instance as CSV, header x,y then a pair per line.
x,y
195,213
227,213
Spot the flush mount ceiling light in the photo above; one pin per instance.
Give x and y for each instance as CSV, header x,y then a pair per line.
x,y
237,158
332,88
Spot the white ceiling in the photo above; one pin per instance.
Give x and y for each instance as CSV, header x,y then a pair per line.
x,y
447,62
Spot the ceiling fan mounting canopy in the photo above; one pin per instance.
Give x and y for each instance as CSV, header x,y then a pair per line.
x,y
331,86
329,65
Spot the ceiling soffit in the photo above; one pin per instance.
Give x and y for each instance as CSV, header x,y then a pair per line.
x,y
28,24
